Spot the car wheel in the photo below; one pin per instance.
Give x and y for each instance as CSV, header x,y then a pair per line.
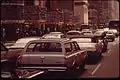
x,y
73,68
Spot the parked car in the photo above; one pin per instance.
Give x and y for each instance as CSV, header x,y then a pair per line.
x,y
73,34
110,36
21,43
55,54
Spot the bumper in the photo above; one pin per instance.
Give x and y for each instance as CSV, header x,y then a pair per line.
x,y
46,68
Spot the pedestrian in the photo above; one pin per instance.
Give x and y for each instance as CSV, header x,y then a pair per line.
x,y
17,33
26,34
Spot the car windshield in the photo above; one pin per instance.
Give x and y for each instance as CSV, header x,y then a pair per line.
x,y
109,32
44,47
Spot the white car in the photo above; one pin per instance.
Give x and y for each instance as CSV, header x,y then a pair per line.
x,y
110,35
53,36
52,54
114,31
91,47
87,33
21,43
73,34
55,33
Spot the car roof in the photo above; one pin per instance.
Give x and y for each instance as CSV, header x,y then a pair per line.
x,y
55,32
61,40
73,31
27,39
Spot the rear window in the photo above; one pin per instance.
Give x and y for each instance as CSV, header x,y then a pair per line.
x,y
44,47
72,33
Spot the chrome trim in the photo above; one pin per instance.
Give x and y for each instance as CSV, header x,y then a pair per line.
x,y
41,72
4,60
45,67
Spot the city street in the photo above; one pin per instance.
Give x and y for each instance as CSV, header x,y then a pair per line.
x,y
60,39
107,67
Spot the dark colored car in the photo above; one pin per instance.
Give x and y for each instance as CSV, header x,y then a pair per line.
x,y
8,57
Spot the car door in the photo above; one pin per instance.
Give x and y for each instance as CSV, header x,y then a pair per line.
x,y
70,54
34,55
24,59
79,53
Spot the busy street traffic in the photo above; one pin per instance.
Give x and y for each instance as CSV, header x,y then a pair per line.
x,y
46,39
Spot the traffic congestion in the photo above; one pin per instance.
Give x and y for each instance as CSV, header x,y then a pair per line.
x,y
55,51
59,39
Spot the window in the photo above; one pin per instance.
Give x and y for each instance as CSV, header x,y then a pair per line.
x,y
68,47
73,47
30,47
46,47
76,46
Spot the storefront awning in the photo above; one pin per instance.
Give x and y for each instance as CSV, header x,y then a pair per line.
x,y
12,21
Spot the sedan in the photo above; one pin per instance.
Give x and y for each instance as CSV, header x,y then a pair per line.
x,y
110,36
73,34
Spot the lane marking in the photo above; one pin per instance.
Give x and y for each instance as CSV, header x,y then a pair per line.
x,y
93,72
41,72
108,52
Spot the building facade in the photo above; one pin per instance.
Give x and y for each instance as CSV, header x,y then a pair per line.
x,y
81,12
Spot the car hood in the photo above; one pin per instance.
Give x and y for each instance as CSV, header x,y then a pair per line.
x,y
18,45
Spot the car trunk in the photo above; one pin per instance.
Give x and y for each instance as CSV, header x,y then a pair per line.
x,y
43,60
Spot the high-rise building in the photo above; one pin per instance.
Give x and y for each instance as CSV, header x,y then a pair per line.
x,y
81,12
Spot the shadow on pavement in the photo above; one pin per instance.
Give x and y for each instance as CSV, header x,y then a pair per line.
x,y
61,75
91,60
